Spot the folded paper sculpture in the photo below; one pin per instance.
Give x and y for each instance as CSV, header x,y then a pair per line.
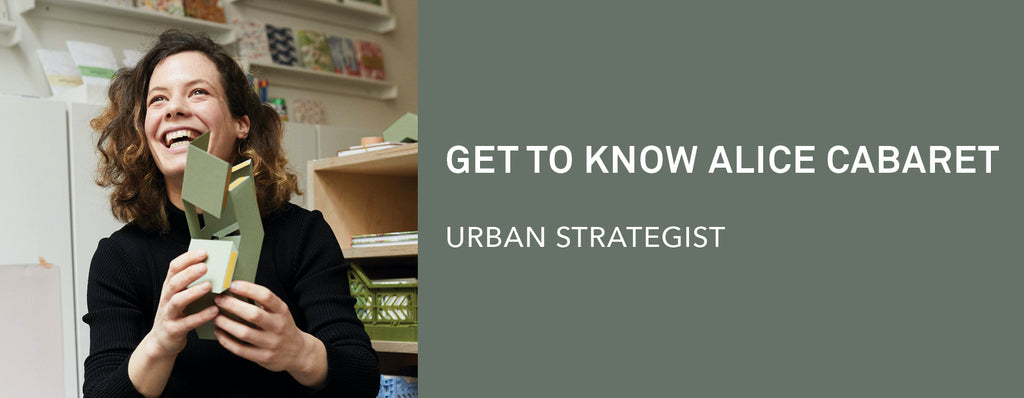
x,y
230,231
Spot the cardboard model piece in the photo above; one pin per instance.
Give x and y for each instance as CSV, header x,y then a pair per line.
x,y
231,231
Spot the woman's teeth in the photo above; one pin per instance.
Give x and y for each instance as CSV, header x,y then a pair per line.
x,y
183,137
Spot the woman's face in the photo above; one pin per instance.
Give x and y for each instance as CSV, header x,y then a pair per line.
x,y
185,99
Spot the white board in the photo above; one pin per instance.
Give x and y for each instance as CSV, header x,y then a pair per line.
x,y
31,342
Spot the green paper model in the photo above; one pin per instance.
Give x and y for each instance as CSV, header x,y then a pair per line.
x,y
231,232
405,129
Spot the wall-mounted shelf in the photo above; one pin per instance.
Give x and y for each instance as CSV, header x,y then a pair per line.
x,y
327,11
397,347
381,251
306,79
134,20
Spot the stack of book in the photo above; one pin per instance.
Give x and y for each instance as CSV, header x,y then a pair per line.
x,y
368,148
386,239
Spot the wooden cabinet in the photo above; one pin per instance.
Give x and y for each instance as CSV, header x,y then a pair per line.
x,y
372,192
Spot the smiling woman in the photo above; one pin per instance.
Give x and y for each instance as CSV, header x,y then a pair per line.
x,y
293,332
141,103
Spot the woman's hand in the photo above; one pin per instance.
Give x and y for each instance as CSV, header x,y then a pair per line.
x,y
273,342
151,362
171,325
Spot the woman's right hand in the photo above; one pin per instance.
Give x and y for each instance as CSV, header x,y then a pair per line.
x,y
150,364
171,325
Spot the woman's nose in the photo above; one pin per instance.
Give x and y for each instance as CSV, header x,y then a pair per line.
x,y
177,107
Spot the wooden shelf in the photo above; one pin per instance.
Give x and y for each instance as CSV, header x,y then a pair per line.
x,y
367,193
330,82
398,161
397,347
372,192
128,19
327,11
381,251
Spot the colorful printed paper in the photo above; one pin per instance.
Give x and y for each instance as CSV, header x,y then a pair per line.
x,y
371,59
308,111
252,41
282,46
207,10
172,7
316,54
343,53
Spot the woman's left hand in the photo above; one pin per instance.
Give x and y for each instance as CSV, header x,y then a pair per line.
x,y
273,342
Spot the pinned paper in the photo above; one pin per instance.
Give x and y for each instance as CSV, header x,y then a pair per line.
x,y
308,111
60,69
95,62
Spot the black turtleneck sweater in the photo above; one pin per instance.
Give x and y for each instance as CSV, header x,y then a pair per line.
x,y
300,262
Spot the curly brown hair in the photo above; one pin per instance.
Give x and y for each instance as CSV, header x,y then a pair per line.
x,y
139,194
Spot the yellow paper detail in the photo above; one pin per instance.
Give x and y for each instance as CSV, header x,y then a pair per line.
x,y
231,269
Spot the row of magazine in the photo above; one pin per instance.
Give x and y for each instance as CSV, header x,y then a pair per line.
x,y
207,10
310,49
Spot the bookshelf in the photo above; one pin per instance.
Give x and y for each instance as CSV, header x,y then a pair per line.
x,y
128,19
371,192
329,82
327,11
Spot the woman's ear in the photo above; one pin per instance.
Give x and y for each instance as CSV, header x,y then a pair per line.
x,y
243,127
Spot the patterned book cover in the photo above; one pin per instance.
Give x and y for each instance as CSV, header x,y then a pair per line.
x,y
343,52
371,59
316,55
252,41
308,111
282,45
173,7
207,10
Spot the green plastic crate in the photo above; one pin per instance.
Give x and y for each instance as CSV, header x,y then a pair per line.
x,y
388,310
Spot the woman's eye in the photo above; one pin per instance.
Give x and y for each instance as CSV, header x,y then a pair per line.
x,y
199,91
156,99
